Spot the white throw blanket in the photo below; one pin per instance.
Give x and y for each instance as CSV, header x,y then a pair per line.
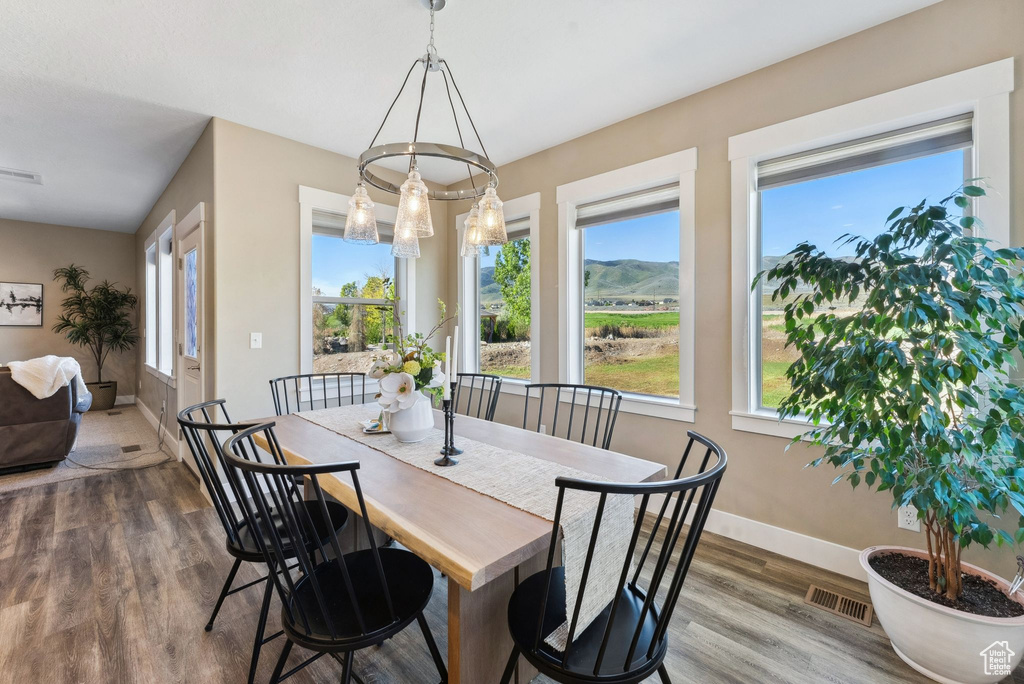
x,y
47,374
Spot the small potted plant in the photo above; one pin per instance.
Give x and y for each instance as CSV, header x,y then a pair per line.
x,y
99,319
906,373
405,373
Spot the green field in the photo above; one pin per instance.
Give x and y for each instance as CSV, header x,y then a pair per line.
x,y
655,319
658,375
509,371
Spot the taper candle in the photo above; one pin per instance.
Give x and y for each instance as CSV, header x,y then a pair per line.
x,y
447,388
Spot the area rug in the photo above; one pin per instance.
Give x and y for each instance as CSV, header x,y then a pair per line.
x,y
118,439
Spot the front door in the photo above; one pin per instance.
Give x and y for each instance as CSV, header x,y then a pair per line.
x,y
190,346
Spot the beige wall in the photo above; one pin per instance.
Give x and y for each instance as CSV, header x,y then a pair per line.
x,y
30,253
257,176
764,482
192,184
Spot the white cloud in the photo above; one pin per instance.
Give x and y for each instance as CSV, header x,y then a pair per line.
x,y
837,206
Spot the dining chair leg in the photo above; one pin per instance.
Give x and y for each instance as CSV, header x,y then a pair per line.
x,y
279,668
510,669
261,629
434,653
224,592
346,672
663,672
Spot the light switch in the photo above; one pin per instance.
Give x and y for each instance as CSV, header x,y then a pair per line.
x,y
255,340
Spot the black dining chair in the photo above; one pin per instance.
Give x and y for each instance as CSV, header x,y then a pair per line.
x,y
317,390
628,641
592,412
203,425
333,602
476,395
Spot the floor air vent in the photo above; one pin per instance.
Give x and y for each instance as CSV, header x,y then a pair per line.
x,y
130,448
113,413
837,604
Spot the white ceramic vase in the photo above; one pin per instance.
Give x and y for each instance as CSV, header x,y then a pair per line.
x,y
414,423
946,645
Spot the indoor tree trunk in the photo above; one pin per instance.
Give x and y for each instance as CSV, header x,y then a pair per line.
x,y
945,574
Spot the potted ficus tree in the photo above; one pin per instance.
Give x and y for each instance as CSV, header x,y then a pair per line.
x,y
99,319
906,371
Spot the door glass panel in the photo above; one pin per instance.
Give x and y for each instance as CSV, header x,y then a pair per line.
x,y
190,303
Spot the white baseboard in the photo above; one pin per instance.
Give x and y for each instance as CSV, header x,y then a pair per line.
x,y
124,399
811,550
170,438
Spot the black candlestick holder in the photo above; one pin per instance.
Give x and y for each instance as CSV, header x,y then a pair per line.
x,y
449,449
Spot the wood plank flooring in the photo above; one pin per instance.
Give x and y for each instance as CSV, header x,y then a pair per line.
x,y
111,579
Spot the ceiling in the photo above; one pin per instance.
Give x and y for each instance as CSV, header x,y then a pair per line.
x,y
106,98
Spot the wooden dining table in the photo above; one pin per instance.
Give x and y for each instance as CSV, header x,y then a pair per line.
x,y
482,545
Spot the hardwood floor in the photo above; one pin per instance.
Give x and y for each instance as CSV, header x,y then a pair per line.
x,y
111,579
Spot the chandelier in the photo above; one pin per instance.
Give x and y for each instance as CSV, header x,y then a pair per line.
x,y
486,223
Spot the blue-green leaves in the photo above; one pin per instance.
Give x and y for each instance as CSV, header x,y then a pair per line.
x,y
905,360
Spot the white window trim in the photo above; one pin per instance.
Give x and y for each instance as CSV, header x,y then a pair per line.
x,y
983,90
165,228
313,199
679,167
469,294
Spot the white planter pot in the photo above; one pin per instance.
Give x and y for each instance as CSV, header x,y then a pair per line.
x,y
412,424
941,643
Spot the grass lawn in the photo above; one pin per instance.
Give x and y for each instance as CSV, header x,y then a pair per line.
x,y
774,383
655,319
522,372
657,375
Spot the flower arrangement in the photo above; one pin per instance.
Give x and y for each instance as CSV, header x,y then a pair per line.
x,y
410,366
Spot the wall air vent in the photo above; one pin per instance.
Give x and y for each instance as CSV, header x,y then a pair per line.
x,y
22,176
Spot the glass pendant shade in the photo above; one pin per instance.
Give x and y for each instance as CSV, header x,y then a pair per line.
x,y
361,222
413,210
471,236
492,219
405,245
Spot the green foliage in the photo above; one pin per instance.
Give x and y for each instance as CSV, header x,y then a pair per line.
x,y
913,392
99,319
512,274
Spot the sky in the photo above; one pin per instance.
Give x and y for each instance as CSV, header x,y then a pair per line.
x,y
822,210
336,262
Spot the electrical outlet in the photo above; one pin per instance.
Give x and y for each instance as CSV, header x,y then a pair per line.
x,y
255,340
543,429
907,518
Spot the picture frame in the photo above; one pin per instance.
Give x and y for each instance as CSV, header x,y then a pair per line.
x,y
21,304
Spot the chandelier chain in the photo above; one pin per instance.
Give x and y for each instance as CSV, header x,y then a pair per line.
x,y
431,50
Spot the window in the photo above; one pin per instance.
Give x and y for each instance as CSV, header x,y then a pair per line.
x,y
159,298
631,295
340,316
498,296
351,319
505,307
627,274
839,172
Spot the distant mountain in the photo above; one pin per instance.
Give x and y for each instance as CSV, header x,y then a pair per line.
x,y
632,277
619,278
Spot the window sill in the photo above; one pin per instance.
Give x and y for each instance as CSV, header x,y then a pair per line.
x,y
161,376
768,423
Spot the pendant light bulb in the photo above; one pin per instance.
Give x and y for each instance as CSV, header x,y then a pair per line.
x,y
413,208
492,219
361,221
472,235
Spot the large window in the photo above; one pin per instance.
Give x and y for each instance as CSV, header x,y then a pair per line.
x,y
159,300
631,303
823,210
626,282
505,287
842,171
351,282
499,299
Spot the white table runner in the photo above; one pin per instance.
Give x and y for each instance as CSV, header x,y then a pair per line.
x,y
526,483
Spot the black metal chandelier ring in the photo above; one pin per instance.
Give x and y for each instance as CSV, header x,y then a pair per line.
x,y
426,149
